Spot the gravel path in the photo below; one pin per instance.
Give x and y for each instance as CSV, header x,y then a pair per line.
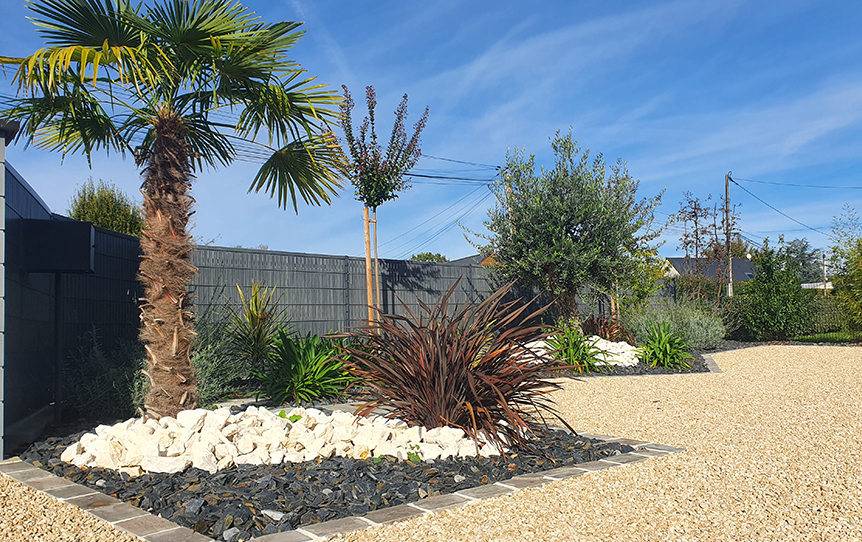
x,y
774,452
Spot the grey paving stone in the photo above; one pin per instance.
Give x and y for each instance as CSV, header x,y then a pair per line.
x,y
629,442
52,482
624,458
393,514
26,475
144,525
651,453
562,473
180,534
67,492
595,465
13,466
521,482
336,526
441,502
91,502
483,492
663,448
117,512
286,536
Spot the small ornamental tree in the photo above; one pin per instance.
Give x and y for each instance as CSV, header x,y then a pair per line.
x,y
107,207
849,285
575,225
378,176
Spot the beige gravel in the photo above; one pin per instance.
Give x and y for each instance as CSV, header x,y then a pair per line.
x,y
33,516
773,453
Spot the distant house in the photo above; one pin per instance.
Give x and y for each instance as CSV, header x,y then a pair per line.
x,y
743,269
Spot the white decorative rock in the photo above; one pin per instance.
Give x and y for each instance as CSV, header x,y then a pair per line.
x,y
165,464
192,420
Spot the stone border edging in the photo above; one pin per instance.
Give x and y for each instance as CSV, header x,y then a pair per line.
x,y
151,528
711,364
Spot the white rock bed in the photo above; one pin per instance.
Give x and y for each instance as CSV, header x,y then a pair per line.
x,y
216,439
621,353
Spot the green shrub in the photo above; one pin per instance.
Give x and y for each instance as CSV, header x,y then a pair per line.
x,y
849,286
687,320
435,367
569,344
303,370
105,386
773,305
219,376
108,207
252,330
664,348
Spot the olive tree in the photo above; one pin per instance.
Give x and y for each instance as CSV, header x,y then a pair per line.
x,y
577,224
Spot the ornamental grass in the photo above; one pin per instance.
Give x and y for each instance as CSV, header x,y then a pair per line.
x,y
470,369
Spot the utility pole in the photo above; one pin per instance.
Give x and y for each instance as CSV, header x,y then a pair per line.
x,y
823,254
727,234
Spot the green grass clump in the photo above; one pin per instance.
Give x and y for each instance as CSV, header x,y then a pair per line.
x,y
570,345
687,321
664,348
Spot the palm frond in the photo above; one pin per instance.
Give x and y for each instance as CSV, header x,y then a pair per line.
x,y
306,167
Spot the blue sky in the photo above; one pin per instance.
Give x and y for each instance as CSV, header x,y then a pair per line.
x,y
683,91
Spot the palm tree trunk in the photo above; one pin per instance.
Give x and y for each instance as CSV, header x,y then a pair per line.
x,y
166,320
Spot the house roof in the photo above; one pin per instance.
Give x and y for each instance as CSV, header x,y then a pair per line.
x,y
743,268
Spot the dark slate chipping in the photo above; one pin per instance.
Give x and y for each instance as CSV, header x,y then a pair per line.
x,y
241,502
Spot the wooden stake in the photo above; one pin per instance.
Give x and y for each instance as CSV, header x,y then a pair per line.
x,y
376,262
368,278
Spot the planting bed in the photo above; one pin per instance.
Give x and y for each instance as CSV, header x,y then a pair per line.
x,y
256,500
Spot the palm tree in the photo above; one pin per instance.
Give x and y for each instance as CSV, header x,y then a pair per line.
x,y
148,82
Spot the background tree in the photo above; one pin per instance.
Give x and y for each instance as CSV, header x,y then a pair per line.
x,y
575,225
806,260
429,257
114,75
106,206
773,305
696,219
846,231
739,248
378,176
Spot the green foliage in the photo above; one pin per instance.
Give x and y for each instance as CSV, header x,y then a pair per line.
x,y
773,305
829,315
218,375
435,368
574,225
252,330
134,63
293,419
570,345
805,260
849,286
102,385
106,207
303,370
429,257
846,231
696,326
646,279
664,348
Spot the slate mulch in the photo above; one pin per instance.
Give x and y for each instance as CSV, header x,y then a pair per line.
x,y
254,500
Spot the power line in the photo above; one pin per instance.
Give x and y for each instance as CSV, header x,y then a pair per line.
x,y
460,161
779,212
801,185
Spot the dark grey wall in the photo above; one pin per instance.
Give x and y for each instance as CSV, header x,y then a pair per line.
x,y
104,302
29,331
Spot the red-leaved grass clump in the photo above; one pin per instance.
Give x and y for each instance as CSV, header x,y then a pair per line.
x,y
471,369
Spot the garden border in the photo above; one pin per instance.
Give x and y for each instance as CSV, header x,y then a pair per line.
x,y
151,528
